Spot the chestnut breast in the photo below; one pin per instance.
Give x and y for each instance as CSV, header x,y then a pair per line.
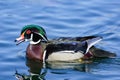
x,y
35,52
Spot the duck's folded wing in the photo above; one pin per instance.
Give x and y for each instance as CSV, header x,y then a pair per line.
x,y
85,38
84,46
75,38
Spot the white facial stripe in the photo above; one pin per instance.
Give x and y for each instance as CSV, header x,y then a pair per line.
x,y
31,37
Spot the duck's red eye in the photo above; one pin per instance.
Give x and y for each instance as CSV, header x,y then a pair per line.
x,y
28,31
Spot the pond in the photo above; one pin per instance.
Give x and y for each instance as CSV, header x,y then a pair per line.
x,y
61,18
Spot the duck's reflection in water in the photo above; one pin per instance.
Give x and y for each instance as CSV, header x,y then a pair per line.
x,y
37,71
75,65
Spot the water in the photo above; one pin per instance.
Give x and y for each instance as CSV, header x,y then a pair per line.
x,y
61,18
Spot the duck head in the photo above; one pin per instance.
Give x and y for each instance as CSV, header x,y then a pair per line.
x,y
33,33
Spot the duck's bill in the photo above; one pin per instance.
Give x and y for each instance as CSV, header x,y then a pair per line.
x,y
19,40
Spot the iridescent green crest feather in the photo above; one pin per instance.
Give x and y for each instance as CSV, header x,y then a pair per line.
x,y
32,26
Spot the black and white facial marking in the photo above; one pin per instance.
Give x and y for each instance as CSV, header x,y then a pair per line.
x,y
31,36
35,38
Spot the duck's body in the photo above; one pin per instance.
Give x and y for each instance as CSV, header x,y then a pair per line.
x,y
62,49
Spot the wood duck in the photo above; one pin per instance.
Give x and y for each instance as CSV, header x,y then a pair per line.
x,y
61,49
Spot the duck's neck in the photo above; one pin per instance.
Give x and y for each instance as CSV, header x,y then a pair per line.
x,y
35,51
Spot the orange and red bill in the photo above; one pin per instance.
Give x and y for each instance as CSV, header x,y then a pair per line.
x,y
20,39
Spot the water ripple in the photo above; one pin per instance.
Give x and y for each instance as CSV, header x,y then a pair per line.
x,y
60,18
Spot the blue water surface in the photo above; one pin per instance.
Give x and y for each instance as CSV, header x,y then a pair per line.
x,y
68,18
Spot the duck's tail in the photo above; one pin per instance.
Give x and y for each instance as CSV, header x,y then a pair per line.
x,y
99,53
